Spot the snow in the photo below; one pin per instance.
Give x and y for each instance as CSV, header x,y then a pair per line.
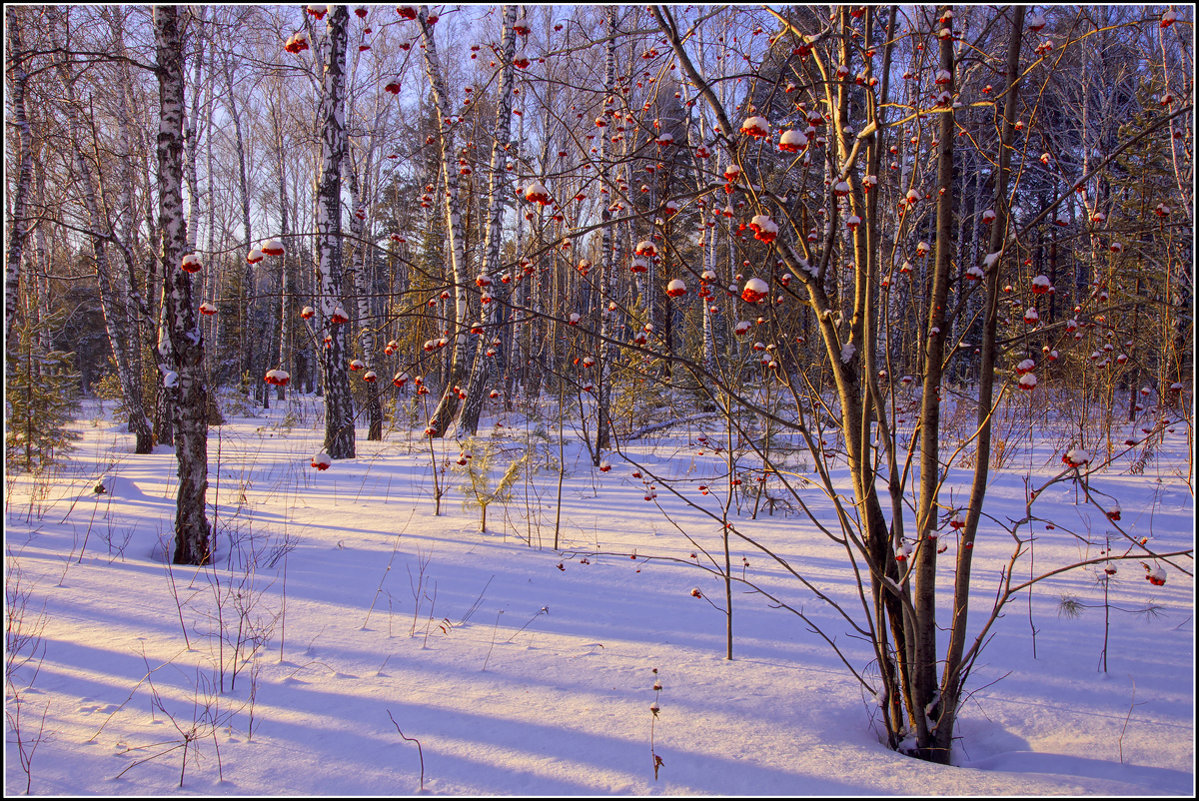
x,y
1077,456
521,670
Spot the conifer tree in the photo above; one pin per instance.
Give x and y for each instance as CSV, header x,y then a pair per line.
x,y
41,397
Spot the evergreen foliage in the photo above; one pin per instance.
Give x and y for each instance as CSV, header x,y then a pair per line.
x,y
41,398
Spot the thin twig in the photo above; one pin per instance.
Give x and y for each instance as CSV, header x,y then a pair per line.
x,y
419,751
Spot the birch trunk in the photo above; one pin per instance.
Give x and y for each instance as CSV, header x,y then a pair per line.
x,y
607,352
137,311
521,336
214,281
41,246
339,405
191,140
18,227
359,270
113,304
287,287
447,407
191,419
206,289
709,333
362,262
497,194
164,397
245,306
167,396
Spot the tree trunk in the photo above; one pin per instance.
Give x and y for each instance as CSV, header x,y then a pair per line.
x,y
167,396
339,405
191,420
606,353
116,316
287,287
497,194
953,674
41,246
359,270
207,279
191,139
447,407
709,332
18,227
245,305
138,313
924,688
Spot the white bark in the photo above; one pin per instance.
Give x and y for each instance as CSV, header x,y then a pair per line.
x,y
339,406
286,283
359,271
607,352
245,308
497,194
112,299
18,227
448,405
191,417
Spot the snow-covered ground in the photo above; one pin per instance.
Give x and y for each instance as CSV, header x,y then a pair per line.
x,y
341,611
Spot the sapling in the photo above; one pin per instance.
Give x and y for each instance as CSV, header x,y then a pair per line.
x,y
438,489
429,622
23,645
207,719
417,585
26,741
23,641
725,525
395,548
1131,704
178,602
561,471
654,709
283,608
475,462
1105,578
253,702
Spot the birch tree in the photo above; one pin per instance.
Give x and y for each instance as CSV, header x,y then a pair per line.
x,y
447,406
286,281
603,423
497,194
100,234
18,225
192,531
130,150
339,405
247,300
359,267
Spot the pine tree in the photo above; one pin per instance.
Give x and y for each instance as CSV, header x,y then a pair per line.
x,y
41,398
